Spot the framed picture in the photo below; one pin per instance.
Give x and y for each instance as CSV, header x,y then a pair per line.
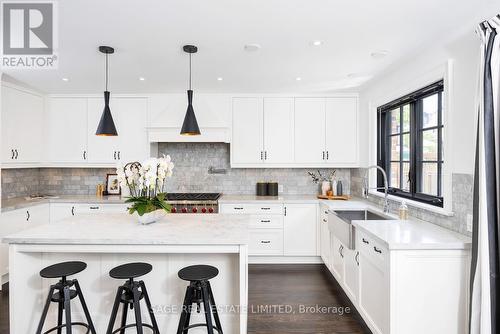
x,y
112,184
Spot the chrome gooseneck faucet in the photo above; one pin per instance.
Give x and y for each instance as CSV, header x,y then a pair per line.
x,y
366,187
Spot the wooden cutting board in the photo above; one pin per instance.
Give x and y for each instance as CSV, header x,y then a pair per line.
x,y
341,198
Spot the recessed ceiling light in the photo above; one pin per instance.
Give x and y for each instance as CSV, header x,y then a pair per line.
x,y
379,54
65,79
219,79
252,47
141,79
317,43
298,78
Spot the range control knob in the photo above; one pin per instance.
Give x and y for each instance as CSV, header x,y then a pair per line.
x,y
173,210
184,210
194,210
210,210
204,210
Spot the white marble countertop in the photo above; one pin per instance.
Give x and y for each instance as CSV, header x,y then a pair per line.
x,y
403,234
123,229
230,199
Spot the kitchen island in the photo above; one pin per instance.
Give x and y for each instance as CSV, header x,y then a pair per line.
x,y
107,240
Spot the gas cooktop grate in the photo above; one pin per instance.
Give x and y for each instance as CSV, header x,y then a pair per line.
x,y
193,196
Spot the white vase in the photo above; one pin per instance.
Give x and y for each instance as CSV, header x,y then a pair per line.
x,y
325,187
151,217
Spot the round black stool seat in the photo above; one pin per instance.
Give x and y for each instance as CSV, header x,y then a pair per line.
x,y
130,270
63,269
198,273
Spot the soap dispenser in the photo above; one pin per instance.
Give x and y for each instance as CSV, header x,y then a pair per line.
x,y
403,211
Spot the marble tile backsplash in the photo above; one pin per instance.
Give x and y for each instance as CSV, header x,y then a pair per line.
x,y
20,182
462,187
192,161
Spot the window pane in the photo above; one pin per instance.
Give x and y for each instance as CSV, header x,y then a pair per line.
x,y
394,181
430,145
430,111
406,148
429,178
395,121
406,118
405,182
394,148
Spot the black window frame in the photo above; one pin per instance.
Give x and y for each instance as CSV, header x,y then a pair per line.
x,y
415,101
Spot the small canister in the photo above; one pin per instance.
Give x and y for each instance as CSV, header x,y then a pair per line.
x,y
272,189
261,188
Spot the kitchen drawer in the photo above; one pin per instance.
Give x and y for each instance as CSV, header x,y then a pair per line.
x,y
265,242
272,221
372,249
101,208
266,209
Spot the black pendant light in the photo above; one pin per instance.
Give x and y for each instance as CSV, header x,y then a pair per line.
x,y
106,125
190,125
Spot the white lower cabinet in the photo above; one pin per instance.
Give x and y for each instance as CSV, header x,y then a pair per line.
x,y
279,229
403,291
324,235
16,221
60,211
300,230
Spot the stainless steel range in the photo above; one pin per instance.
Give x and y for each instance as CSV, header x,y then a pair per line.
x,y
194,202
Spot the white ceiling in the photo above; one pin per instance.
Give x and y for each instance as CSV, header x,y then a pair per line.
x,y
148,36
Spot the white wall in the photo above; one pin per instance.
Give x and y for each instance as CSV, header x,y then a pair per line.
x,y
420,70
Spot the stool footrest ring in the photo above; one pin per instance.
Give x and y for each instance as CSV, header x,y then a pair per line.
x,y
134,325
72,324
201,325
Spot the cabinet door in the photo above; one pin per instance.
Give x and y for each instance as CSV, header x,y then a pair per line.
x,y
299,226
22,115
278,130
374,294
66,130
60,211
325,245
351,273
342,131
37,215
247,133
10,222
101,149
310,130
130,119
337,254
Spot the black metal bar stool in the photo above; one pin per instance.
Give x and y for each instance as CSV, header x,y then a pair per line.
x,y
129,294
63,296
199,291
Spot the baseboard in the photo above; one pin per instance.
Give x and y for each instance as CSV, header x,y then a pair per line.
x,y
284,259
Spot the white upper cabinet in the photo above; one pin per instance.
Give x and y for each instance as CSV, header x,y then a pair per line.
x,y
66,130
342,131
310,131
22,126
101,149
247,135
129,115
278,130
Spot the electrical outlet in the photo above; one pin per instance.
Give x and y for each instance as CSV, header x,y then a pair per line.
x,y
469,222
280,188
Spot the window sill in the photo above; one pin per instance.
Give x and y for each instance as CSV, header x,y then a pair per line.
x,y
415,204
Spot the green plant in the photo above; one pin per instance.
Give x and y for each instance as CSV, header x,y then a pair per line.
x,y
143,204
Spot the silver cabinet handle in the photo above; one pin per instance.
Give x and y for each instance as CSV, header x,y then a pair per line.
x,y
377,250
265,241
28,215
356,258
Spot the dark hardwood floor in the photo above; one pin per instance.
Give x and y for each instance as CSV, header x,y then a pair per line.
x,y
282,299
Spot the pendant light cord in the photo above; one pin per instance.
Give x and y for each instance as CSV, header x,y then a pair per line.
x,y
190,71
107,72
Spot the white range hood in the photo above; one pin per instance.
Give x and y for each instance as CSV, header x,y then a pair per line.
x,y
172,135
